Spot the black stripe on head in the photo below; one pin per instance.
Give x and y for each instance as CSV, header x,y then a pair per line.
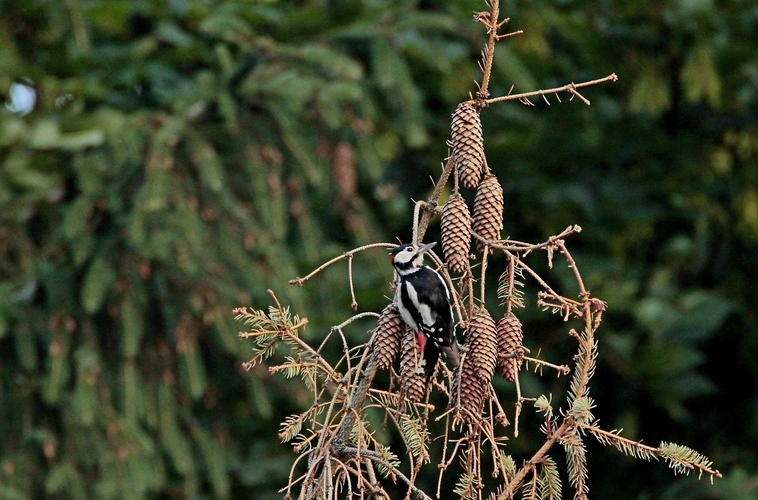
x,y
402,257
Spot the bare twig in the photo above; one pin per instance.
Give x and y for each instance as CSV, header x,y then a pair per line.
x,y
571,88
349,255
376,457
489,50
561,369
354,303
431,204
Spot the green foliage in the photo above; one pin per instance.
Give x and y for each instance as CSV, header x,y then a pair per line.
x,y
548,482
389,457
182,157
417,436
681,458
466,488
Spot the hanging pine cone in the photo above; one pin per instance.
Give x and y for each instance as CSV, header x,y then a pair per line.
x,y
481,340
456,233
467,391
488,211
510,337
389,333
468,144
412,379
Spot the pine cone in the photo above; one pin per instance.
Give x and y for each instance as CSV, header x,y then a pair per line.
x,y
389,332
468,144
456,233
467,391
412,379
488,211
482,344
510,337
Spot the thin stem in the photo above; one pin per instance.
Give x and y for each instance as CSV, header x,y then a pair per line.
x,y
356,317
511,285
511,488
518,246
502,418
489,50
442,465
416,211
572,265
561,369
354,303
356,401
349,254
293,482
377,458
571,87
455,178
519,400
484,271
426,218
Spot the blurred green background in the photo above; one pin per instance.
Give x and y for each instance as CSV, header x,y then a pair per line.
x,y
182,156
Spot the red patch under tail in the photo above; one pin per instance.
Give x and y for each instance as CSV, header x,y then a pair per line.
x,y
421,340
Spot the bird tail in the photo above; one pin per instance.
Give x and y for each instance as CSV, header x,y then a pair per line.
x,y
431,356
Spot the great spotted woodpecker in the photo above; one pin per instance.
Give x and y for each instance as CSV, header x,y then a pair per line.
x,y
423,300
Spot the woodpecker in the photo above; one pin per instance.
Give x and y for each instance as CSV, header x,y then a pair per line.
x,y
423,300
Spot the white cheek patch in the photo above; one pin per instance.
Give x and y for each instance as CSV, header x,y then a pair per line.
x,y
423,309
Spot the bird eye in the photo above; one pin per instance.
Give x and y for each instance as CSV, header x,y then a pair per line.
x,y
409,249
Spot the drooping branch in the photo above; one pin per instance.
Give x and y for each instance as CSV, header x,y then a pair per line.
x,y
678,456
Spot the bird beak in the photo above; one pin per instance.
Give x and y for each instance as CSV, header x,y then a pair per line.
x,y
425,248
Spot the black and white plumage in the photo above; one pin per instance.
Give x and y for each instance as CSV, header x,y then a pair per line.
x,y
423,300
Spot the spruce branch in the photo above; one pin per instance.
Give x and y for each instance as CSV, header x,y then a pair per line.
x,y
335,435
684,460
576,459
549,480
680,458
627,446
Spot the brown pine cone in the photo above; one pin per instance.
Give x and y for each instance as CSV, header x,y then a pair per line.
x,y
468,144
481,341
488,211
412,378
456,233
389,333
510,337
467,391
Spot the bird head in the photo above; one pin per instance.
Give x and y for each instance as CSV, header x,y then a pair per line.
x,y
407,257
